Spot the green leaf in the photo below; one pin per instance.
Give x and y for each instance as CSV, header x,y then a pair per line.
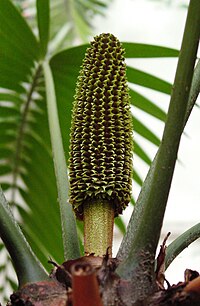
x,y
12,283
136,50
70,239
141,153
141,129
75,15
146,105
6,139
4,169
121,225
9,112
81,25
137,178
8,97
5,186
19,49
147,80
26,264
65,68
44,240
8,125
19,33
29,140
43,25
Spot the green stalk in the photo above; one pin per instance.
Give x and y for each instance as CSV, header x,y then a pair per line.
x,y
69,231
132,228
98,220
180,243
27,266
194,91
139,244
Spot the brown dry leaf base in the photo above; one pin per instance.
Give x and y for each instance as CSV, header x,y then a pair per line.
x,y
92,281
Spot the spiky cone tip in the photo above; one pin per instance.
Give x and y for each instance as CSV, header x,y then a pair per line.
x,y
101,134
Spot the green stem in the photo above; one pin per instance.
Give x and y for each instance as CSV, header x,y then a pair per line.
x,y
180,243
132,228
69,232
26,264
194,91
98,227
145,225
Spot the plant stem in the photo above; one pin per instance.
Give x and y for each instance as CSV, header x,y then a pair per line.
x,y
180,243
98,227
194,91
69,231
26,265
146,222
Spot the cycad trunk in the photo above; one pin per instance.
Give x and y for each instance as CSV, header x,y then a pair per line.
x,y
92,281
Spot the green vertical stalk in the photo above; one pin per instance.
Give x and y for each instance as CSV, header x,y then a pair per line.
x,y
69,231
27,266
98,220
139,245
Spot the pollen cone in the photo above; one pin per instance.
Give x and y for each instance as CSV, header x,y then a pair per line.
x,y
100,162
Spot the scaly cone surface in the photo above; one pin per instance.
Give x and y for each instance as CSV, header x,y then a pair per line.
x,y
101,132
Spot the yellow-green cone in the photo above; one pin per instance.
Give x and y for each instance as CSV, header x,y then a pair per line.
x,y
101,132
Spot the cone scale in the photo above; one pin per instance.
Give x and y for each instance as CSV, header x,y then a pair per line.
x,y
100,162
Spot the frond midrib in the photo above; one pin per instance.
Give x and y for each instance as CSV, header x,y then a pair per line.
x,y
22,130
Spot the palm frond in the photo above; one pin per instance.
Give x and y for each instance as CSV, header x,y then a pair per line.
x,y
71,21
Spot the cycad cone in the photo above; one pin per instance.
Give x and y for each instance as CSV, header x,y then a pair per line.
x,y
101,143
